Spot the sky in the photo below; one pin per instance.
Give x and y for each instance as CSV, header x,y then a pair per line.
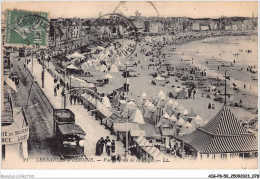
x,y
83,9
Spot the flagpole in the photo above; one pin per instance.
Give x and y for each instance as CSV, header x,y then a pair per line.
x,y
225,87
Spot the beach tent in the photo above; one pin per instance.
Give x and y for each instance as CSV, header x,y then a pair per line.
x,y
159,80
192,122
192,114
144,96
146,102
93,67
103,68
72,67
106,102
175,105
180,122
89,62
173,118
85,67
77,82
129,109
113,68
175,92
160,93
151,107
180,93
75,55
108,76
187,128
168,107
166,116
137,117
185,112
199,121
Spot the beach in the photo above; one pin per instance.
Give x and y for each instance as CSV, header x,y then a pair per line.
x,y
215,50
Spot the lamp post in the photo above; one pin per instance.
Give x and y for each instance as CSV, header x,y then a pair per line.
x,y
65,91
43,67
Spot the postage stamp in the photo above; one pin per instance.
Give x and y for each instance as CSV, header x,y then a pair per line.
x,y
26,28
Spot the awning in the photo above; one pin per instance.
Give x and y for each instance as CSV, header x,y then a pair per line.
x,y
10,83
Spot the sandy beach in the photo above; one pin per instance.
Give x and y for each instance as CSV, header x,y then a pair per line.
x,y
215,50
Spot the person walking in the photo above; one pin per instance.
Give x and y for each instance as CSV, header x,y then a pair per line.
x,y
113,157
75,99
98,148
71,97
102,143
113,146
55,91
108,147
58,85
194,92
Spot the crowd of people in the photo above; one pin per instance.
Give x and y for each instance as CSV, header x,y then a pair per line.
x,y
110,148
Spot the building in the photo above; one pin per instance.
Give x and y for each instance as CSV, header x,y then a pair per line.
x,y
75,28
154,27
204,27
222,137
14,126
195,26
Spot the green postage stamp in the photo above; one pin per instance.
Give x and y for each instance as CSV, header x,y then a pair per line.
x,y
25,28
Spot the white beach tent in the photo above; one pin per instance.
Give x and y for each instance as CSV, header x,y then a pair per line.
x,y
89,62
137,117
160,80
168,107
106,102
185,112
175,105
77,82
199,121
93,67
146,102
75,55
180,122
160,93
113,68
72,67
85,67
103,68
129,108
108,76
173,118
166,116
144,96
186,129
176,91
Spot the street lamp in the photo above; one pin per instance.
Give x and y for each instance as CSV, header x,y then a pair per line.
x,y
43,67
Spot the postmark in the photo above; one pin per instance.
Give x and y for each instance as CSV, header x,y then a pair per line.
x,y
116,33
25,28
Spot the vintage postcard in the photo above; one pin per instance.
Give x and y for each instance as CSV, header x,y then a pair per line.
x,y
129,85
